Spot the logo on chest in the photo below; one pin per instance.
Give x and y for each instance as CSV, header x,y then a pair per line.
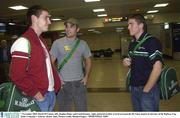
x,y
67,48
141,48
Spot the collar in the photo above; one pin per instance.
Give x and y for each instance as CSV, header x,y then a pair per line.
x,y
70,40
140,38
32,36
31,33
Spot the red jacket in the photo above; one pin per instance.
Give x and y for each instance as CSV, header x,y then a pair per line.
x,y
34,79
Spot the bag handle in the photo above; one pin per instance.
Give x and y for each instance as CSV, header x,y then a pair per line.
x,y
66,59
139,44
142,41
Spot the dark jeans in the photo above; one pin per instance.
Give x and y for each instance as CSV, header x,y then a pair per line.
x,y
71,92
145,101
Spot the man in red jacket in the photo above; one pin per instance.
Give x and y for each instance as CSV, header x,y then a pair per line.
x,y
31,68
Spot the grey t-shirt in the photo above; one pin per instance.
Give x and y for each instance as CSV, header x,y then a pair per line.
x,y
73,69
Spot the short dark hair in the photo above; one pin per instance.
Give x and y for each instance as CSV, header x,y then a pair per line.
x,y
34,10
139,19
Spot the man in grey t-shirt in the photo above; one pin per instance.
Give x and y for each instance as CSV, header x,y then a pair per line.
x,y
73,78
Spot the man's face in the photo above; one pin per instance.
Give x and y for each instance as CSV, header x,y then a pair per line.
x,y
71,30
134,27
43,21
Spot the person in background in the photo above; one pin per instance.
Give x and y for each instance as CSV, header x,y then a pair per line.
x,y
73,78
5,58
31,68
145,63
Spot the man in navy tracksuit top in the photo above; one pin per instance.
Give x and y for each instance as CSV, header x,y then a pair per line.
x,y
145,63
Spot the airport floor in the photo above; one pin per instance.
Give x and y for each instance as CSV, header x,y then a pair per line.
x,y
106,86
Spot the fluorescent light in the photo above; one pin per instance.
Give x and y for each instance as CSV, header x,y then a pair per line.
x,y
11,23
63,32
166,25
56,19
102,15
119,28
19,7
91,30
162,5
98,10
91,0
153,11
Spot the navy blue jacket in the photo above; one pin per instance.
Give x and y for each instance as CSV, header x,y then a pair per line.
x,y
143,59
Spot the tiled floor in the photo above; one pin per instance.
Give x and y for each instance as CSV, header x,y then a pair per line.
x,y
106,86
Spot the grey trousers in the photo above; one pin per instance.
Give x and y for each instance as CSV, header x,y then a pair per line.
x,y
72,92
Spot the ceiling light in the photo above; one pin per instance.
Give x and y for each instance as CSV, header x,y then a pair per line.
x,y
166,25
119,28
162,5
63,32
91,0
11,23
153,11
98,10
19,7
56,19
102,15
91,30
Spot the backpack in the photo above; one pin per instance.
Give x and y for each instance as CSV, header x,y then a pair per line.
x,y
12,99
168,83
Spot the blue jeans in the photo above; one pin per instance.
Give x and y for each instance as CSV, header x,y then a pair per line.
x,y
48,103
71,92
145,101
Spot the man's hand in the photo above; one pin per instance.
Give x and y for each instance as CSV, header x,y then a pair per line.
x,y
39,97
127,62
84,80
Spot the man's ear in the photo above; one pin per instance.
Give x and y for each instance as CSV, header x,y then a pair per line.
x,y
141,25
33,18
77,29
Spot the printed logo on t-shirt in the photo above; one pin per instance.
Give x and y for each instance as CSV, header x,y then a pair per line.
x,y
67,48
